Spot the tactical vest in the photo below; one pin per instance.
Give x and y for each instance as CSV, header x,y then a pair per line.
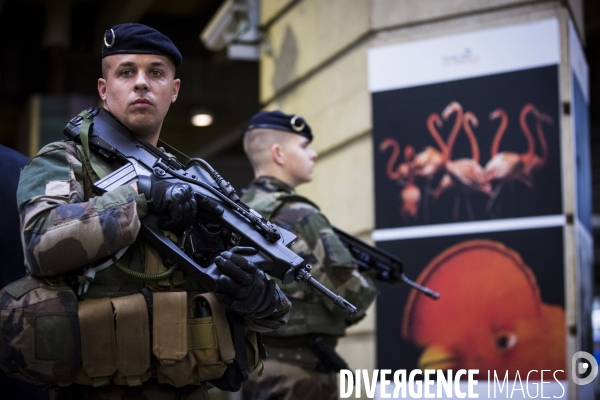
x,y
309,315
51,339
117,335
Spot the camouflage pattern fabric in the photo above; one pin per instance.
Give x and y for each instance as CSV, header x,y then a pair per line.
x,y
50,312
60,215
332,263
311,313
284,381
65,226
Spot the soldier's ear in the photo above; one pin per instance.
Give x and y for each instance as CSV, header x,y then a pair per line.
x,y
102,88
176,85
277,154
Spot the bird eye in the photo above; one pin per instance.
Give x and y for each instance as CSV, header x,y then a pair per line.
x,y
505,341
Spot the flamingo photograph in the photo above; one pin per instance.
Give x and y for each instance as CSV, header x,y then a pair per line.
x,y
466,175
509,167
428,164
410,194
484,148
403,175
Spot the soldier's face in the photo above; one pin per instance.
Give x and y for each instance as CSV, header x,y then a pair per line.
x,y
138,89
300,159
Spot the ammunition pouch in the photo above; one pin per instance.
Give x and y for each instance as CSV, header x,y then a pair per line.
x,y
50,339
40,340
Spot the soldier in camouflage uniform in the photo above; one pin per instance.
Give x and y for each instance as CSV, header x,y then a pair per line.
x,y
301,363
67,229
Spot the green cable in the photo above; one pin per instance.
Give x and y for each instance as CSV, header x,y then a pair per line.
x,y
143,276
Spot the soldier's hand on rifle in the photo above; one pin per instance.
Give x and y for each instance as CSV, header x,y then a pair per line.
x,y
243,287
176,201
207,204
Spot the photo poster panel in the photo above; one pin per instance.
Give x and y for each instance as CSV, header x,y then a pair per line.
x,y
518,105
501,305
439,105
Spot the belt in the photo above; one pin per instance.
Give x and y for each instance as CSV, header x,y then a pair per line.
x,y
295,341
301,356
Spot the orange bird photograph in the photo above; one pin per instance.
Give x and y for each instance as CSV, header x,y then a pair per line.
x,y
490,315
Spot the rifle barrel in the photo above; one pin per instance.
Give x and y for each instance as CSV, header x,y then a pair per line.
x,y
305,276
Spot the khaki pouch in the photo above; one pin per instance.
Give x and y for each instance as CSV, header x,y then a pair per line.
x,y
115,341
170,339
133,340
39,332
189,349
210,340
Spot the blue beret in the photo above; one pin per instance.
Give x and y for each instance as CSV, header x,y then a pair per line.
x,y
139,39
281,122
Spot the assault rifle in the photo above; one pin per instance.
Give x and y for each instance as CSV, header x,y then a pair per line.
x,y
238,224
388,267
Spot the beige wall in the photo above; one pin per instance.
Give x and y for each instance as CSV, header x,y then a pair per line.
x,y
317,67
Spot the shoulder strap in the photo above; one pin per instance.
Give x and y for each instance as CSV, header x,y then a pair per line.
x,y
280,198
84,130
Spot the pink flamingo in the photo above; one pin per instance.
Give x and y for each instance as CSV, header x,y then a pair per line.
x,y
401,172
465,173
410,195
498,113
429,162
536,163
529,158
453,108
507,166
510,166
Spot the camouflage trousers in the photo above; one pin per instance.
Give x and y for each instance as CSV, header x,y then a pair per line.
x,y
285,381
150,390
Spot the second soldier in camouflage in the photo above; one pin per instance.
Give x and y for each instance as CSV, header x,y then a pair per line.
x,y
301,363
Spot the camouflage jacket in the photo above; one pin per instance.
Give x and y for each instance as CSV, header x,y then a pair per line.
x,y
65,227
332,263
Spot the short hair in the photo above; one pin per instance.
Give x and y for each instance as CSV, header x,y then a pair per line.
x,y
258,143
104,68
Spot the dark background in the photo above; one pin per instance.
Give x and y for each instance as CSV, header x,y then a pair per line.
x,y
540,249
402,114
29,66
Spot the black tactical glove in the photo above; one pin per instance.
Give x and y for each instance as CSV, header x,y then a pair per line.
x,y
243,287
175,201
